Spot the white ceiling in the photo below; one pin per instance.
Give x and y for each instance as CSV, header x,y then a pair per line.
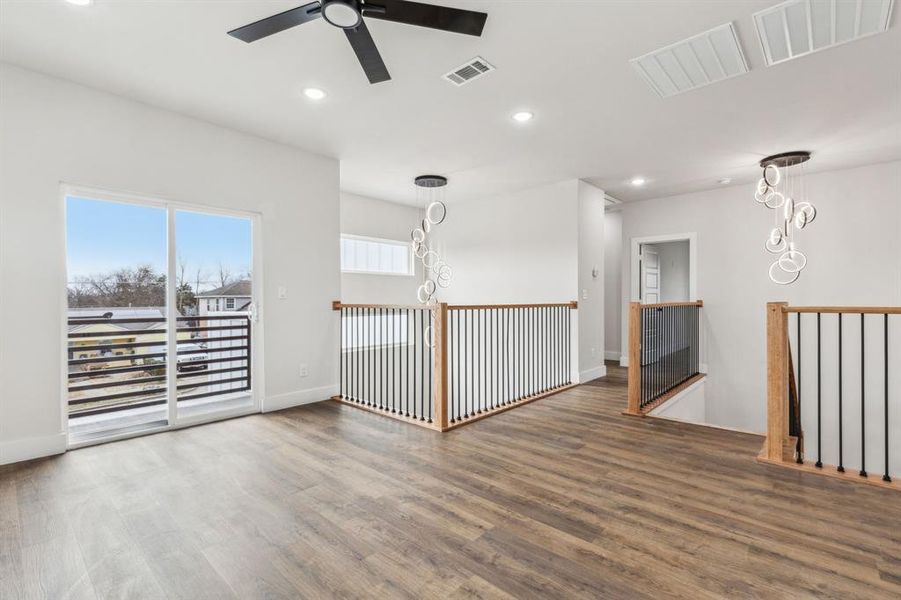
x,y
568,62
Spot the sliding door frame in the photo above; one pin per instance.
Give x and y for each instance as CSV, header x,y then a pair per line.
x,y
257,374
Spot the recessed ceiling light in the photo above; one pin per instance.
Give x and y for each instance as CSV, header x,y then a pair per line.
x,y
725,181
638,181
314,93
523,116
81,2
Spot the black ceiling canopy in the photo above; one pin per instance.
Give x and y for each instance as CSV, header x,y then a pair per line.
x,y
348,15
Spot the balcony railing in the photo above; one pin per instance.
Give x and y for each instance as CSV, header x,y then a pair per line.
x,y
443,366
119,364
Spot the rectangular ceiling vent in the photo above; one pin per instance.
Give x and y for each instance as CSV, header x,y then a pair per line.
x,y
469,71
698,61
799,27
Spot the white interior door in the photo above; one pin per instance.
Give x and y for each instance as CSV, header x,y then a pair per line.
x,y
650,276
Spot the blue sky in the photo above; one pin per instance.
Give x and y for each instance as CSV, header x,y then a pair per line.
x,y
105,236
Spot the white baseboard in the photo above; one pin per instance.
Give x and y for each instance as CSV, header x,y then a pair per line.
x,y
29,448
299,398
589,374
612,355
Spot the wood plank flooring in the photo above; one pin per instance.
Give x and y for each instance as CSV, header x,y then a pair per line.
x,y
561,498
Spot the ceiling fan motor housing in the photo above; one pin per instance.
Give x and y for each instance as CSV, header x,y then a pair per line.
x,y
344,14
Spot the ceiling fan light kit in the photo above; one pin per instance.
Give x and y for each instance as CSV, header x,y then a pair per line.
x,y
348,15
341,13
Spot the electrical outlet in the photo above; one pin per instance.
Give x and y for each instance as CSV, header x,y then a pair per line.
x,y
584,294
282,292
304,371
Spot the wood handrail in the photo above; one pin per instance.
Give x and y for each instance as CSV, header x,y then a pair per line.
x,y
856,310
338,305
669,304
572,305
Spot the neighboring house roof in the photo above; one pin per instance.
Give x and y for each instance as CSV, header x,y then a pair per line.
x,y
238,289
130,312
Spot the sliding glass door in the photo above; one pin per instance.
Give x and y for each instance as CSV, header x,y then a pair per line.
x,y
161,316
214,302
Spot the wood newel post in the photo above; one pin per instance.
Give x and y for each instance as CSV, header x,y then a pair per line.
x,y
440,338
634,407
776,379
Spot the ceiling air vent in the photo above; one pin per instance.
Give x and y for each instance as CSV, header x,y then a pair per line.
x,y
698,61
468,71
799,27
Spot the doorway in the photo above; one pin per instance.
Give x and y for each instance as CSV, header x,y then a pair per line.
x,y
161,315
665,269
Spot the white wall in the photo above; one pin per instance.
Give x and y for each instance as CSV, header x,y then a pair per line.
x,y
514,248
591,282
674,270
52,131
613,273
854,257
386,220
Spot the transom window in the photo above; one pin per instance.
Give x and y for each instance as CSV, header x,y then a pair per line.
x,y
375,256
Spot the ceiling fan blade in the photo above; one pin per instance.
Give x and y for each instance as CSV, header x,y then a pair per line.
x,y
468,22
367,53
275,23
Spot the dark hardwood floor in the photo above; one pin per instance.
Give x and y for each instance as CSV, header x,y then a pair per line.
x,y
563,497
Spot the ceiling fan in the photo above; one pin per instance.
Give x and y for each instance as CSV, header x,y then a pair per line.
x,y
348,15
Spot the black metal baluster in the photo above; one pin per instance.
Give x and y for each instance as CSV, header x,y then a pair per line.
x,y
494,364
342,356
515,382
554,367
819,463
529,348
479,359
423,354
457,363
508,368
885,476
841,463
799,448
355,322
358,359
431,397
863,396
405,362
643,336
555,341
467,363
568,364
394,375
367,354
352,359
